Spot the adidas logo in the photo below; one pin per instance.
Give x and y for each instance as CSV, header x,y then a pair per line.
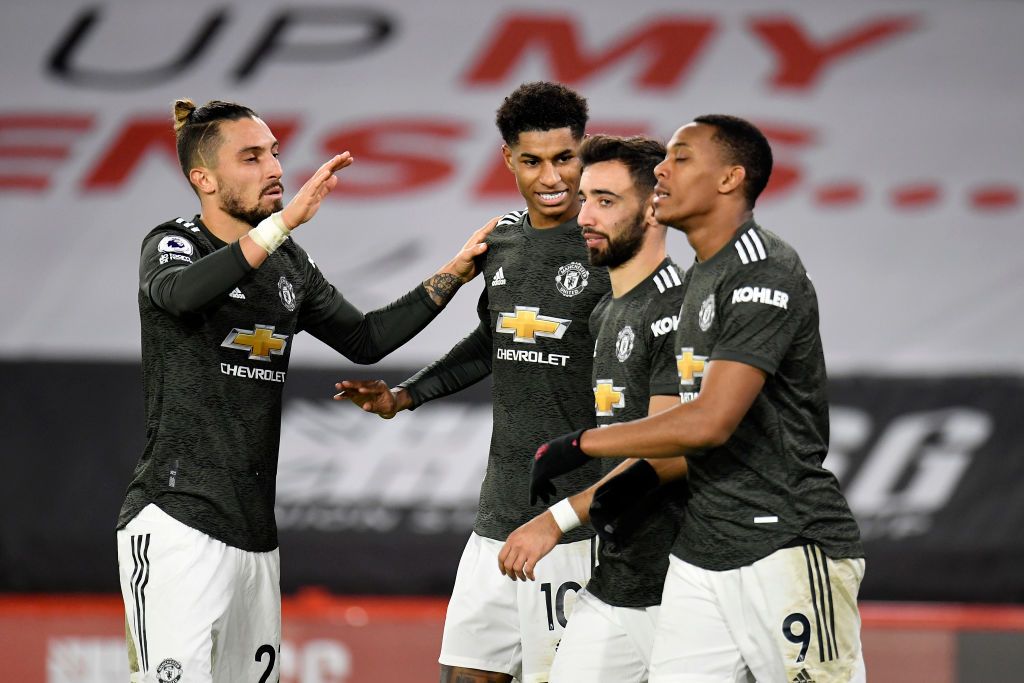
x,y
499,278
803,677
236,293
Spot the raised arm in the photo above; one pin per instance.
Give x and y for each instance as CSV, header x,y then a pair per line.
x,y
182,286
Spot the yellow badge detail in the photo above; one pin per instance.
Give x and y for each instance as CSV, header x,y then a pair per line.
x,y
690,366
526,324
261,343
607,397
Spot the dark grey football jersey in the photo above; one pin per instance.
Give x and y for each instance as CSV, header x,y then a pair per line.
x,y
213,383
752,302
538,294
633,361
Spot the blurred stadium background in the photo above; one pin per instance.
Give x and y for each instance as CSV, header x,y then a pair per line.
x,y
897,130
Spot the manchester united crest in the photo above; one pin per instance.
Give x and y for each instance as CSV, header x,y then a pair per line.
x,y
287,292
572,279
169,671
624,343
706,316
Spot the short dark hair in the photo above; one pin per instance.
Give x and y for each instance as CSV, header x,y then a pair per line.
x,y
541,105
743,144
640,154
197,129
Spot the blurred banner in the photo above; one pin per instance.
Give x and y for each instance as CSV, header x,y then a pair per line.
x,y
896,127
933,469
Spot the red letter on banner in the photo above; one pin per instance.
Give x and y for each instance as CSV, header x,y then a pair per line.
x,y
800,62
669,47
143,137
36,137
395,156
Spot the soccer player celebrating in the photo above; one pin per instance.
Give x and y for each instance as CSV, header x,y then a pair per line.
x,y
533,336
611,632
221,296
764,573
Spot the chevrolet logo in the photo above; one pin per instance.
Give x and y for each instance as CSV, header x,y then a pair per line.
x,y
690,366
261,343
526,324
607,397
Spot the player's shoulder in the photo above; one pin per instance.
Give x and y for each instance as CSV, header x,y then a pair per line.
x,y
175,236
756,251
509,224
600,309
666,282
180,226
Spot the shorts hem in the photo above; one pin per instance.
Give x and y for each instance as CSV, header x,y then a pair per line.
x,y
478,664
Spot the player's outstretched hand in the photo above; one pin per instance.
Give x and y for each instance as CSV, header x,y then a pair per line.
x,y
373,396
306,201
464,264
527,545
556,457
613,511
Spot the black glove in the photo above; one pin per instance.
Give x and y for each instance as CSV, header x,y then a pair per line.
x,y
556,457
614,512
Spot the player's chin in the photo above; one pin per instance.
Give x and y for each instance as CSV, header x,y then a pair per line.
x,y
665,214
597,256
553,211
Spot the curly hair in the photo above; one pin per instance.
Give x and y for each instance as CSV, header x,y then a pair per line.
x,y
197,130
742,143
640,154
541,105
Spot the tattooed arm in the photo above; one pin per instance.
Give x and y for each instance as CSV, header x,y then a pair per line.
x,y
366,338
442,287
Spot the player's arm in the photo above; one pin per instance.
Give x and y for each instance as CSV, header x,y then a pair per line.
x,y
754,338
465,364
366,338
180,286
727,392
532,541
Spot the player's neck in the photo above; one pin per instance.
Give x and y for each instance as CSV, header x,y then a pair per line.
x,y
541,222
710,233
637,269
224,226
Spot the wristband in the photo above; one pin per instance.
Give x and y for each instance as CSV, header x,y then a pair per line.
x,y
565,516
270,233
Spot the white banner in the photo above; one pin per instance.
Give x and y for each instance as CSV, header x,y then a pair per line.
x,y
896,126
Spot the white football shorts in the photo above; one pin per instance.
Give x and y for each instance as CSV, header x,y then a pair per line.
x,y
513,627
197,610
790,617
605,644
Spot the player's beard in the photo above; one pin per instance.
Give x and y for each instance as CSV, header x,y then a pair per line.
x,y
231,203
621,248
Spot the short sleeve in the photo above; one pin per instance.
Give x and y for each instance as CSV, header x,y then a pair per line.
x,y
663,319
760,310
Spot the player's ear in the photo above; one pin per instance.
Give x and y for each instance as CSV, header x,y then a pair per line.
x,y
506,153
732,179
649,220
203,180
